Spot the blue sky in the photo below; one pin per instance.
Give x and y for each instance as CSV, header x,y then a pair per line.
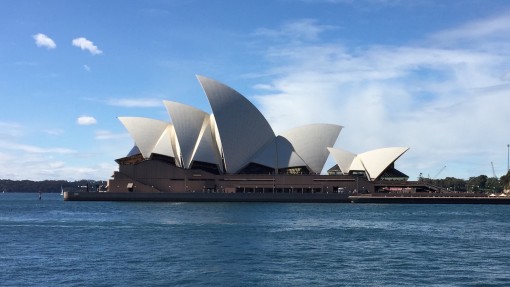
x,y
430,75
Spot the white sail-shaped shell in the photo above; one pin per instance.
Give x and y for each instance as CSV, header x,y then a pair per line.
x,y
311,141
376,161
241,127
373,162
145,132
344,159
188,124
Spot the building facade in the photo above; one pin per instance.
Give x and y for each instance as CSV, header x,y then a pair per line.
x,y
234,149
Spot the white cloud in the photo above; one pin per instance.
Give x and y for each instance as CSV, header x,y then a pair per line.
x,y
135,103
86,121
445,103
42,40
86,68
85,44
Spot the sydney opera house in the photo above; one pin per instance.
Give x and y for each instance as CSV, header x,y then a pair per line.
x,y
235,150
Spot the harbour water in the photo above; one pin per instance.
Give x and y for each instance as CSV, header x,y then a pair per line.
x,y
50,242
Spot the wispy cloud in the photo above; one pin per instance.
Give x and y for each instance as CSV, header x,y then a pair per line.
x,y
86,68
42,40
19,161
107,135
32,149
88,45
367,4
9,130
305,29
25,63
86,121
438,100
478,31
135,102
21,166
54,132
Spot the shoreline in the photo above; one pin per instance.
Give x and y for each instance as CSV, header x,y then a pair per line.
x,y
208,197
449,198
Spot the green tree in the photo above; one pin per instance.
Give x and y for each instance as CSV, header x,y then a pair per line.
x,y
505,180
454,184
477,184
493,185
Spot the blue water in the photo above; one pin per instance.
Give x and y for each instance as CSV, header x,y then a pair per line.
x,y
50,242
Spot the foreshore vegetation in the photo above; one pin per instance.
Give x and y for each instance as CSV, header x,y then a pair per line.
x,y
47,186
475,184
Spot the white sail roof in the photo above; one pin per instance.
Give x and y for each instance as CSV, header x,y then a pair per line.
x,y
311,141
279,153
376,161
188,123
217,142
145,132
241,127
357,165
373,162
343,158
164,144
205,150
267,155
287,156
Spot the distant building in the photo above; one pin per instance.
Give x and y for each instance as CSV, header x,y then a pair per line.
x,y
234,149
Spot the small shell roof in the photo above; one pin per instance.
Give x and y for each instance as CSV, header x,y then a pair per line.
x,y
373,162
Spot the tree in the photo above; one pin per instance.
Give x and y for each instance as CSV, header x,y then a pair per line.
x,y
505,180
454,184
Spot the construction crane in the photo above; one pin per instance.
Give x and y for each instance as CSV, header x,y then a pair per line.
x,y
493,171
439,172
